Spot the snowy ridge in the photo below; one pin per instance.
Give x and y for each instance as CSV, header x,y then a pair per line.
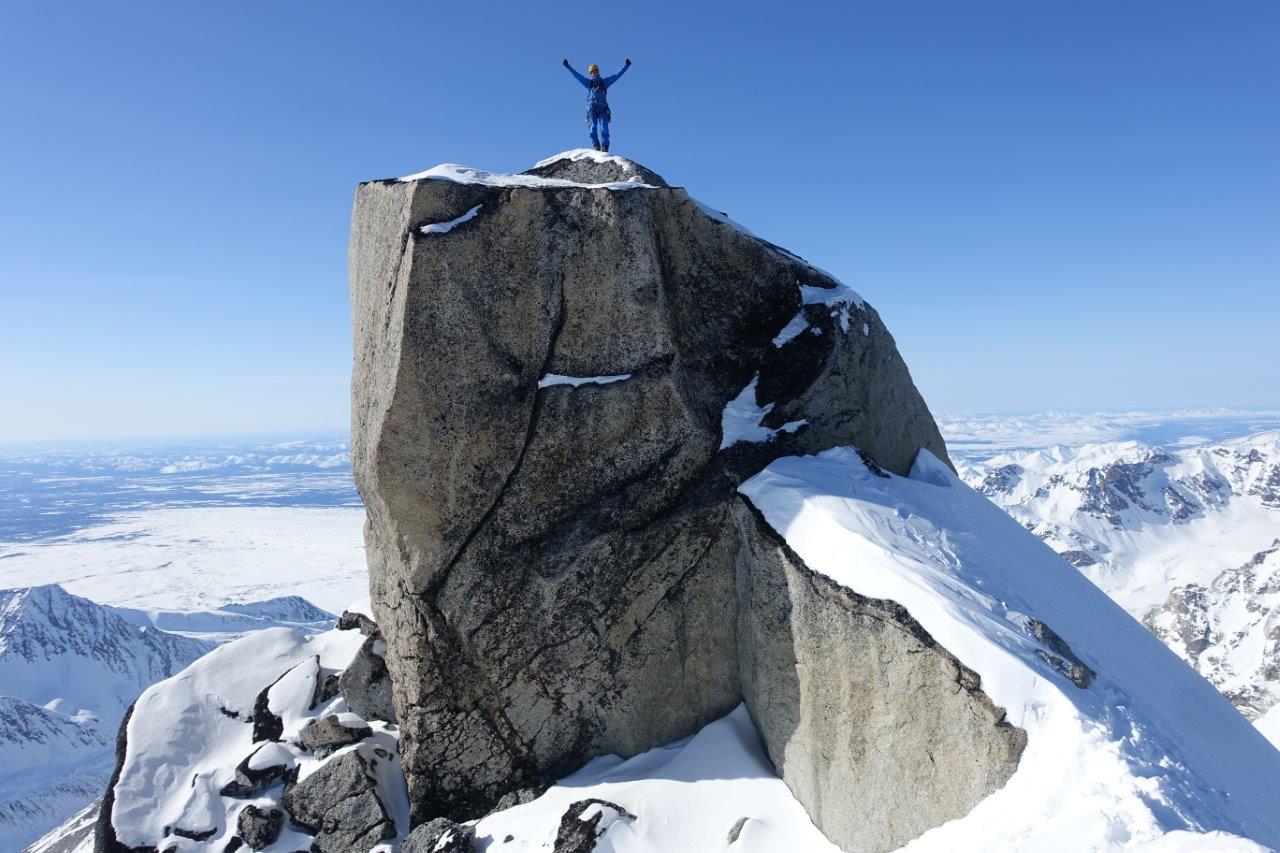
x,y
1147,753
70,655
188,734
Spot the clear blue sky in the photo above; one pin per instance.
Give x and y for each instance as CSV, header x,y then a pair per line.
x,y
1070,204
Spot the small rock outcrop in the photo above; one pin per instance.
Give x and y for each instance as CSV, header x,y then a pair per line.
x,y
259,828
329,734
339,803
584,822
366,683
557,388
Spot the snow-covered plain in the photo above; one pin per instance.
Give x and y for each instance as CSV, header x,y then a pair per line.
x,y
199,559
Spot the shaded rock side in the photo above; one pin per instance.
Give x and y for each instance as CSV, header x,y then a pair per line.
x,y
879,731
554,567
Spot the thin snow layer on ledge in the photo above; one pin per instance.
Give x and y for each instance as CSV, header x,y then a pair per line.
x,y
469,175
591,154
742,416
1149,755
692,795
445,227
557,379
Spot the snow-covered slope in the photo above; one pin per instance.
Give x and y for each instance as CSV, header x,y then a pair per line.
x,y
70,667
1127,747
1185,540
1142,753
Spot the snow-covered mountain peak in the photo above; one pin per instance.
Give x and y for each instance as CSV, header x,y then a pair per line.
x,y
70,654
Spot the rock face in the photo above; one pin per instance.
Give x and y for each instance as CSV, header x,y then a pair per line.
x,y
560,564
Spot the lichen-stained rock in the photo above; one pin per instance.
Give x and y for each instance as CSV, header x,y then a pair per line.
x,y
340,804
542,366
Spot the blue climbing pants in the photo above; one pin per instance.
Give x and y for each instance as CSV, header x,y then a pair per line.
x,y
598,121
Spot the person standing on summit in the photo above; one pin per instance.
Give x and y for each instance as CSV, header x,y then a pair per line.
x,y
598,115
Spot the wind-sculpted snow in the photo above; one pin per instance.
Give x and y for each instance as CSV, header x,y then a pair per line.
x,y
1148,748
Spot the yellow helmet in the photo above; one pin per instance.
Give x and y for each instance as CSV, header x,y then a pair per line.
x,y
593,69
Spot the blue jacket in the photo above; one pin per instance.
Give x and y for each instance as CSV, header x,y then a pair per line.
x,y
597,86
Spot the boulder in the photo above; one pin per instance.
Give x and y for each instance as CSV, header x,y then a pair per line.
x,y
366,684
557,388
339,803
329,734
259,827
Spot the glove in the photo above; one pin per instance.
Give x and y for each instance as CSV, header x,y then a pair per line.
x,y
566,63
628,62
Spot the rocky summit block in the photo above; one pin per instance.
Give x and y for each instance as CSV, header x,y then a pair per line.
x,y
560,378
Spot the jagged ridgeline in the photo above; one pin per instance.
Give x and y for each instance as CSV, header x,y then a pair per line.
x,y
560,379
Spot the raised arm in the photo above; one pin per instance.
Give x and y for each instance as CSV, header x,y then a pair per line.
x,y
610,80
583,80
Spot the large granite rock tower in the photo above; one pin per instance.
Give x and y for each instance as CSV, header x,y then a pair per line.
x,y
560,379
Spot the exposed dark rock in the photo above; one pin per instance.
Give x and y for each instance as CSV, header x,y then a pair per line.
x,y
366,683
250,782
349,621
1060,656
339,804
520,796
583,823
440,836
259,827
104,833
266,725
327,734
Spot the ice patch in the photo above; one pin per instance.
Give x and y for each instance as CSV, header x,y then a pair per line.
x,y
443,227
556,379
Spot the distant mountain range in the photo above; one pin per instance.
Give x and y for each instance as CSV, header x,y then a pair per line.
x,y
1186,539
